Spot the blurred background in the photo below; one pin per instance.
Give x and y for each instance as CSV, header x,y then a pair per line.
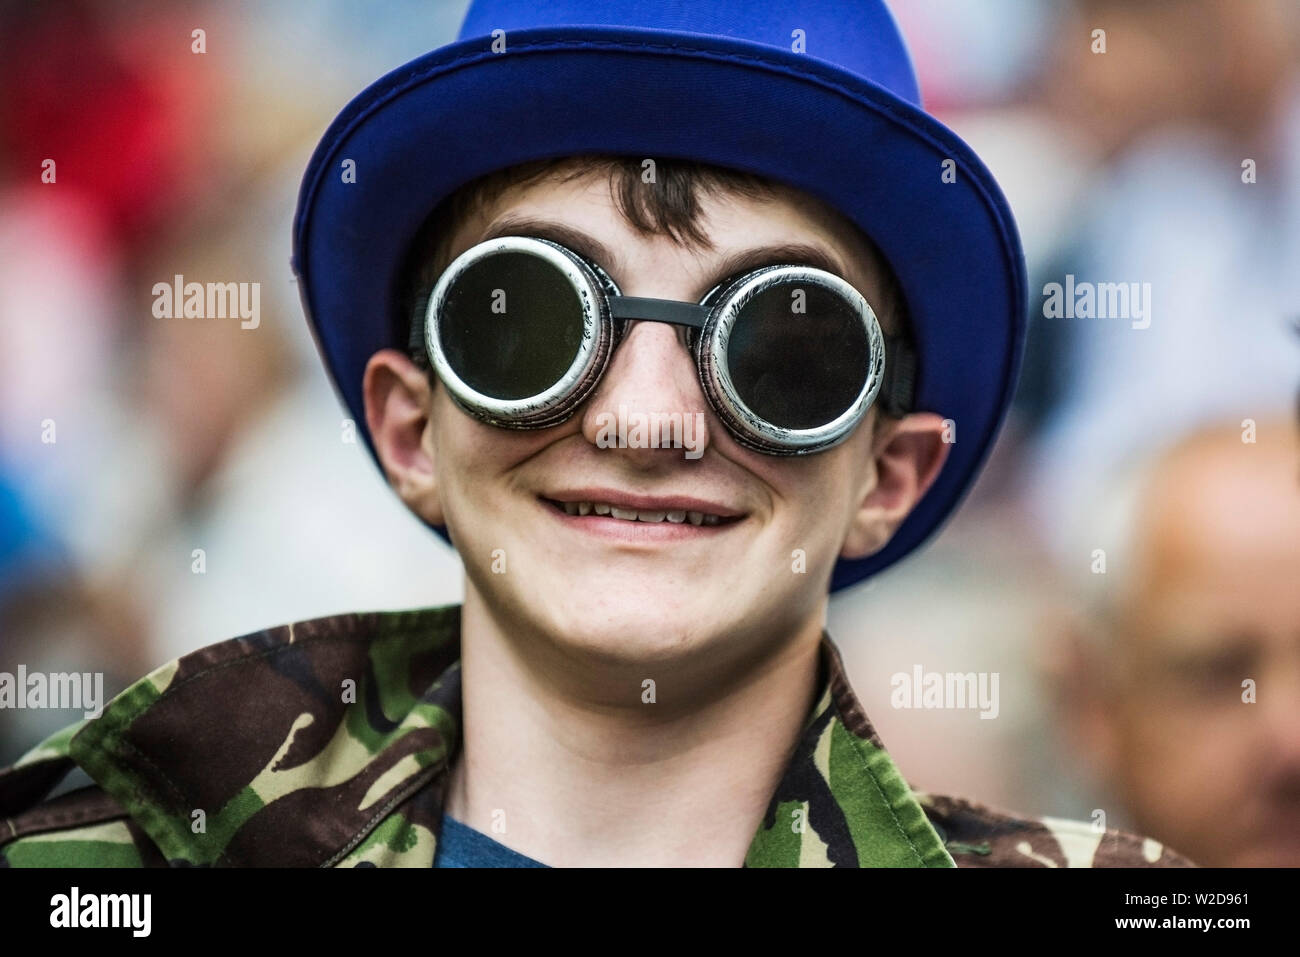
x,y
165,485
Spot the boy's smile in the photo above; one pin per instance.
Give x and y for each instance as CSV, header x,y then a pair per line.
x,y
634,552
628,517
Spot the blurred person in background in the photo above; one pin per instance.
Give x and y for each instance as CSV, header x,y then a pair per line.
x,y
1181,682
266,475
126,158
101,141
100,144
1189,113
1122,166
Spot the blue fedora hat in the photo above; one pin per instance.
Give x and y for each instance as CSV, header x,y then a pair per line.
x,y
818,94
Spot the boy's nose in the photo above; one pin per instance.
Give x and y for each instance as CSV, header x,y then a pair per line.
x,y
650,374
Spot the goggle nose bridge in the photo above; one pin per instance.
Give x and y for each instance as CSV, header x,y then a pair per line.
x,y
689,314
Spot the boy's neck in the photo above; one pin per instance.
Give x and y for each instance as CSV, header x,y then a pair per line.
x,y
556,767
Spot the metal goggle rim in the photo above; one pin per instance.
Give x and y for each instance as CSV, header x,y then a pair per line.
x,y
712,319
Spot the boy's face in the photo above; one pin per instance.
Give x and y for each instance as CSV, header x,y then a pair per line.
x,y
633,590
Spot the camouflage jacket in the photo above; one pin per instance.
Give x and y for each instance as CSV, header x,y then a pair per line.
x,y
260,735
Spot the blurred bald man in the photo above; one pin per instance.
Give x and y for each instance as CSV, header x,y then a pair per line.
x,y
1185,692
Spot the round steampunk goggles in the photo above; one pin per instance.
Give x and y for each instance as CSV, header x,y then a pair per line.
x,y
520,330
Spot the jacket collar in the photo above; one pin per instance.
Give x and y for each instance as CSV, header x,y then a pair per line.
x,y
328,742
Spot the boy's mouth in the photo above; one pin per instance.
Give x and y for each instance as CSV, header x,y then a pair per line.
x,y
652,516
642,509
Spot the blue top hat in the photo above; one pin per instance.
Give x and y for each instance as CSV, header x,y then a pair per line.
x,y
717,82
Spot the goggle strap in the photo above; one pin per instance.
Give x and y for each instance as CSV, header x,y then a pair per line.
x,y
897,391
416,348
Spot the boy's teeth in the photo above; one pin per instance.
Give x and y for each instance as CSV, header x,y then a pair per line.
x,y
676,516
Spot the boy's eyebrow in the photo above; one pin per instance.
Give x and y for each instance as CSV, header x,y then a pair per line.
x,y
566,236
803,254
795,254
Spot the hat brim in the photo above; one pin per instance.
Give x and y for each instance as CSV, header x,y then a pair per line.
x,y
462,111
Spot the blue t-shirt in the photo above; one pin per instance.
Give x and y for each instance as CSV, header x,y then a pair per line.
x,y
462,846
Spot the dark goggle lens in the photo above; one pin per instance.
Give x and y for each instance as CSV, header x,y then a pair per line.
x,y
511,325
798,354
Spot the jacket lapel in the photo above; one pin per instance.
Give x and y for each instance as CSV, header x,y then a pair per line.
x,y
841,801
288,747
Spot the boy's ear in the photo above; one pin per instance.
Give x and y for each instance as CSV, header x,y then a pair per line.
x,y
398,400
907,455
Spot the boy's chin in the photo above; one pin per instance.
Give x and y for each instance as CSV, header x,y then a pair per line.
x,y
641,627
